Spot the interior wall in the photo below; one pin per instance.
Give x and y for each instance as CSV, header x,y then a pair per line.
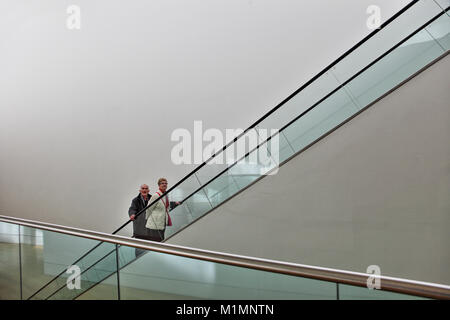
x,y
86,115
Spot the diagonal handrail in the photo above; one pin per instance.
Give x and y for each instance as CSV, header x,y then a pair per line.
x,y
394,284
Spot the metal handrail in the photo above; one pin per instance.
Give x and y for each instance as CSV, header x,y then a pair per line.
x,y
399,285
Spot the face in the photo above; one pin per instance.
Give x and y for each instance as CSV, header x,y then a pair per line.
x,y
144,190
163,186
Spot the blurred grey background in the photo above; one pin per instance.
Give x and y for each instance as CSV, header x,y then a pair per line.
x,y
86,115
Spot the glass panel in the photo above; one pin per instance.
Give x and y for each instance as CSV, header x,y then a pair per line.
x,y
347,292
221,188
198,204
233,153
185,189
34,271
261,161
440,31
246,171
269,152
277,147
386,38
128,254
181,217
303,100
9,261
101,251
162,276
127,231
105,290
443,3
286,150
394,68
211,170
47,254
244,180
325,116
90,276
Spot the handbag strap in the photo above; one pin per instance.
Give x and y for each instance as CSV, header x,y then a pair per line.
x,y
166,203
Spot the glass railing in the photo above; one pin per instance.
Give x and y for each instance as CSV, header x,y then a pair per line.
x,y
31,253
406,43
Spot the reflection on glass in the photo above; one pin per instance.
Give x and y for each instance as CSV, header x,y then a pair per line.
x,y
162,276
198,204
440,31
325,116
47,254
156,275
220,189
385,39
394,68
347,292
180,217
186,188
302,101
91,275
105,290
9,261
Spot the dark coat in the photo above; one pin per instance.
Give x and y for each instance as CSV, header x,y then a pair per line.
x,y
139,229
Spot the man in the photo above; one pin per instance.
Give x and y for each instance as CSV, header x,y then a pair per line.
x,y
138,204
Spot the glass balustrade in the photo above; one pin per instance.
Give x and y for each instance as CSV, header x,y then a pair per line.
x,y
31,256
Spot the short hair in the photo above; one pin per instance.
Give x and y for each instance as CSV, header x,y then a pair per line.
x,y
161,180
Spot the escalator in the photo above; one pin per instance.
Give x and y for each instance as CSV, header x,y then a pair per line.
x,y
174,272
411,40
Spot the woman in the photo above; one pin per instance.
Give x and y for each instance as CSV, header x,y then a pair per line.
x,y
157,215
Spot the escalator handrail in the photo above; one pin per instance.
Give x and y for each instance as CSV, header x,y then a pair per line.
x,y
394,284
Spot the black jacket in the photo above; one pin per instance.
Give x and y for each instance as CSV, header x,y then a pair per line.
x,y
137,204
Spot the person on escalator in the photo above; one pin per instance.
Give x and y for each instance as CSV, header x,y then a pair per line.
x,y
138,204
157,215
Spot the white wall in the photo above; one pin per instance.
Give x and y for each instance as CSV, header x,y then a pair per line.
x,y
86,116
